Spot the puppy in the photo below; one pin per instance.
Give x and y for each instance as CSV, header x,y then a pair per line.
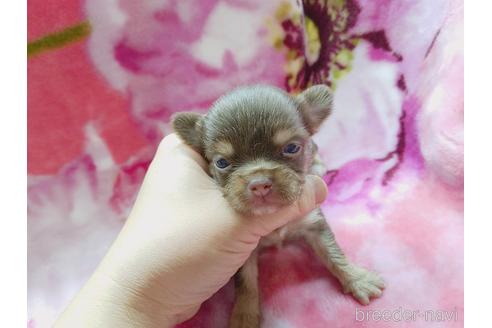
x,y
257,141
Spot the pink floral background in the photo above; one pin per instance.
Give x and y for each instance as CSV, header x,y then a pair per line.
x,y
98,106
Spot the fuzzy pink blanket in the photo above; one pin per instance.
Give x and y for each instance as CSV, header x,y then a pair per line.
x,y
105,75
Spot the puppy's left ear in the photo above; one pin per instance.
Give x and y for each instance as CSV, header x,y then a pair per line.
x,y
315,105
188,126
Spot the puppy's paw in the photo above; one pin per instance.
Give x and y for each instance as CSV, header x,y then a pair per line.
x,y
364,285
244,320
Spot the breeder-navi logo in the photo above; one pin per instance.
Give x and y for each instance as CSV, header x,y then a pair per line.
x,y
406,315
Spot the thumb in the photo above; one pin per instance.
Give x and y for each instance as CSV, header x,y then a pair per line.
x,y
313,194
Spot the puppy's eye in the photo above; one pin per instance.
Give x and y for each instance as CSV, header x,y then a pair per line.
x,y
291,149
221,163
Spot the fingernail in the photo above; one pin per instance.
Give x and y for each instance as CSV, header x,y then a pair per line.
x,y
320,189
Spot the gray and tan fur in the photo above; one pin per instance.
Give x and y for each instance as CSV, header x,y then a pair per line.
x,y
254,131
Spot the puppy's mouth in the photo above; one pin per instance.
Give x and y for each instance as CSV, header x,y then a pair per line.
x,y
268,204
263,192
270,199
251,204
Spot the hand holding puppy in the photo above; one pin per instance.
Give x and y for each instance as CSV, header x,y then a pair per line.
x,y
181,243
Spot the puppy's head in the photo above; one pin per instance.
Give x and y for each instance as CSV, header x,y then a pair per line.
x,y
257,141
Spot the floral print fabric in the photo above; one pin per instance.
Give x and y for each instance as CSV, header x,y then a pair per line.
x,y
393,145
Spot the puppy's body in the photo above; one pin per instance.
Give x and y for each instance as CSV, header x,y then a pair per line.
x,y
257,141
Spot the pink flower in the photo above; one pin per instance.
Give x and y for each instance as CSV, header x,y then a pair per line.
x,y
181,55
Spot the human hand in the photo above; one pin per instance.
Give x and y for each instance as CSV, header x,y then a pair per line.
x,y
181,243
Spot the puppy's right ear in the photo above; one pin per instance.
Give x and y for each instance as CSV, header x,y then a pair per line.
x,y
188,126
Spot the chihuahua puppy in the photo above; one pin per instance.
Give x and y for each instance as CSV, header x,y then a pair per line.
x,y
257,140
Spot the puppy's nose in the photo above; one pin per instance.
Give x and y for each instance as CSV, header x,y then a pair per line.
x,y
260,186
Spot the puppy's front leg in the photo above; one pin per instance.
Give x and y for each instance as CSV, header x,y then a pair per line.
x,y
246,311
361,283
